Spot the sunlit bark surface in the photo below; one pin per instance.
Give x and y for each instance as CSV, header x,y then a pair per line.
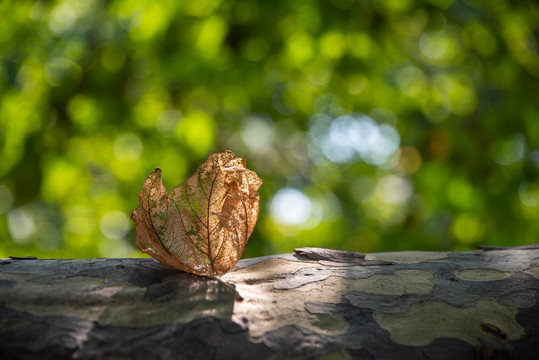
x,y
320,304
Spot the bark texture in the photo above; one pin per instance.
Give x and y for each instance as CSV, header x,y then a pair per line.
x,y
318,303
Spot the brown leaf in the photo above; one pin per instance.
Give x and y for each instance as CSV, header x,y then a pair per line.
x,y
201,226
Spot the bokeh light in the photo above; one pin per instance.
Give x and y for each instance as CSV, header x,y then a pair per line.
x,y
290,207
375,126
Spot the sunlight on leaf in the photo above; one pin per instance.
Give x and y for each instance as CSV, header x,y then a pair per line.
x,y
202,225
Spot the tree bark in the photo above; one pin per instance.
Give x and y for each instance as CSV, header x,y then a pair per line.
x,y
317,303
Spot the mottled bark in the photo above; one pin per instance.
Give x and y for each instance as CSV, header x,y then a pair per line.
x,y
315,304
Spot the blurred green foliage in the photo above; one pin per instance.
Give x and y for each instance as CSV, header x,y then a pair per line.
x,y
375,125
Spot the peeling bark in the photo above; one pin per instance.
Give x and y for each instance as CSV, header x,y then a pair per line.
x,y
318,303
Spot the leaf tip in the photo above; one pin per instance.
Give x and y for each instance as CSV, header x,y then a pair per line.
x,y
134,215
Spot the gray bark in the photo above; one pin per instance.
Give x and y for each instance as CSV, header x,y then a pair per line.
x,y
318,303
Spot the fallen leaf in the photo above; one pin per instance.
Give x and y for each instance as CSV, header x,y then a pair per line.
x,y
202,225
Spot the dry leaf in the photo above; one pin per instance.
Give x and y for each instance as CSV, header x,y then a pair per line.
x,y
201,226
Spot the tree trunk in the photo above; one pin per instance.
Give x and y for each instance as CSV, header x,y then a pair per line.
x,y
317,303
